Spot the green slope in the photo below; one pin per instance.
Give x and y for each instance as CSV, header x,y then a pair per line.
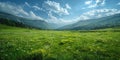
x,y
25,44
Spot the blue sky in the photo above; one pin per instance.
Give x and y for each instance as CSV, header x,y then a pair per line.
x,y
61,11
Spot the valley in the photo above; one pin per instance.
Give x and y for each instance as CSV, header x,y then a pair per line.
x,y
33,44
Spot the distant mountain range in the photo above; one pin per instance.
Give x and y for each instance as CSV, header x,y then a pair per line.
x,y
100,23
105,22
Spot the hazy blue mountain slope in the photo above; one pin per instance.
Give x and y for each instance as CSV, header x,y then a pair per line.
x,y
26,22
105,22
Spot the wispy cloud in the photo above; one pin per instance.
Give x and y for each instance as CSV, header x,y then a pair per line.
x,y
26,3
12,9
34,6
33,16
67,6
17,10
37,7
55,7
118,3
88,2
98,13
59,21
96,3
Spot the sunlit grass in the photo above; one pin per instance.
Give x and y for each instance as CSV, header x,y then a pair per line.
x,y
26,44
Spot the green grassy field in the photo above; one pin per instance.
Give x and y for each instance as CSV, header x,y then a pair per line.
x,y
32,44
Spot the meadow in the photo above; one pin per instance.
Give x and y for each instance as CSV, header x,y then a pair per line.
x,y
32,44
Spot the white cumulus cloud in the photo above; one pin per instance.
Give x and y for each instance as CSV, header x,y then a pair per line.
x,y
88,2
96,3
98,13
67,6
59,21
55,7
